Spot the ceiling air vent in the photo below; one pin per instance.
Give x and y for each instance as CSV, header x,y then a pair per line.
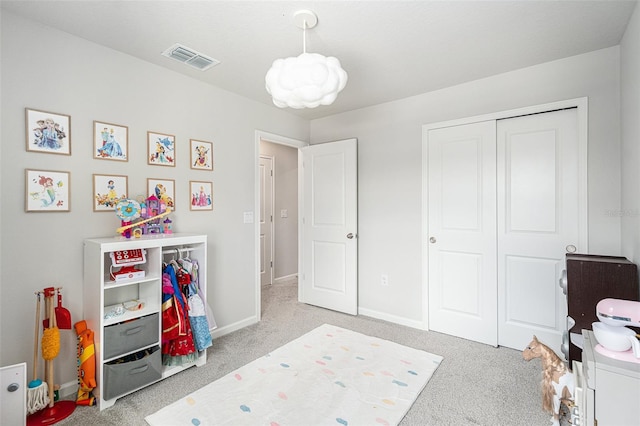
x,y
190,57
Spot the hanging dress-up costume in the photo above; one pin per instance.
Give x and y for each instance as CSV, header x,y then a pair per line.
x,y
178,347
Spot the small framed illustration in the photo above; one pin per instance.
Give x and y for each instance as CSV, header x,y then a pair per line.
x,y
201,195
163,189
201,155
47,191
107,191
48,132
110,141
161,149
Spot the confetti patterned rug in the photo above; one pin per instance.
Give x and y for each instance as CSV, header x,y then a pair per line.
x,y
329,376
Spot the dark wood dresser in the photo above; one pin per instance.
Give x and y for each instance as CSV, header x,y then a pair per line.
x,y
589,279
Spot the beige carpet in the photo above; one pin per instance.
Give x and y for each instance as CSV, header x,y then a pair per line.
x,y
475,384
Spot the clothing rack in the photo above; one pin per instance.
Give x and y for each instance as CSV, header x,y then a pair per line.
x,y
177,251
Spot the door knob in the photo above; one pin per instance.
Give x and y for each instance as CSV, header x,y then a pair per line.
x,y
432,240
570,248
350,235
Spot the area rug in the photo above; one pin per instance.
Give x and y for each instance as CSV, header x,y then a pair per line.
x,y
329,376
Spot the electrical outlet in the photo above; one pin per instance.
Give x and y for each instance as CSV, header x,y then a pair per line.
x,y
384,279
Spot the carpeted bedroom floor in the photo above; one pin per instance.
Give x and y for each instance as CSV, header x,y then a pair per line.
x,y
476,384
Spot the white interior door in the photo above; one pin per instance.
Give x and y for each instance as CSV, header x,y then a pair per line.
x,y
266,220
462,231
329,277
538,211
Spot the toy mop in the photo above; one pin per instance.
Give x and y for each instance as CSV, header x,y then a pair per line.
x,y
37,394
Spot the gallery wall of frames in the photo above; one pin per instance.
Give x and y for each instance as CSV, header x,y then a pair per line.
x,y
51,190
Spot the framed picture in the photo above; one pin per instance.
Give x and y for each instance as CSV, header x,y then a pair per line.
x,y
48,132
161,149
110,141
47,191
107,191
164,189
201,195
201,155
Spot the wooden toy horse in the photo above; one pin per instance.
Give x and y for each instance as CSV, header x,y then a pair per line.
x,y
557,380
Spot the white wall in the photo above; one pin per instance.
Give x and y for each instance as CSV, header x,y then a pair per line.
x,y
285,256
390,168
630,72
47,69
54,71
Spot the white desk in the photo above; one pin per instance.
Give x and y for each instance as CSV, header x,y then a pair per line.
x,y
607,390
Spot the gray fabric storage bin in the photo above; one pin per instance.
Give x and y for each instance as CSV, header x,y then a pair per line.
x,y
120,378
129,336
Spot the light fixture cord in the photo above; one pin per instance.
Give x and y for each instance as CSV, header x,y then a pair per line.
x,y
304,36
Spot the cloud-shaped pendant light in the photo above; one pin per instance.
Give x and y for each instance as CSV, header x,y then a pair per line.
x,y
308,80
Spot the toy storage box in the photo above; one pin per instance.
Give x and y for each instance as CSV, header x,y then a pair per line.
x,y
123,377
131,335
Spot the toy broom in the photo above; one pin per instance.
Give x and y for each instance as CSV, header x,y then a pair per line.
x,y
37,394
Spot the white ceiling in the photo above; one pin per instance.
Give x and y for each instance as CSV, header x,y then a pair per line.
x,y
390,49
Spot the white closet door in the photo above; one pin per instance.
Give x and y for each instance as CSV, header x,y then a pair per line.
x,y
462,231
538,211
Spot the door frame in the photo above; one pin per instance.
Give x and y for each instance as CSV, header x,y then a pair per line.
x,y
281,140
581,104
272,159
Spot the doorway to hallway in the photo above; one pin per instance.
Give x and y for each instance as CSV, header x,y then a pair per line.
x,y
277,217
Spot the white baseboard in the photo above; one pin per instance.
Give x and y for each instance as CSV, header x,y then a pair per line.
x,y
391,318
221,331
285,278
67,389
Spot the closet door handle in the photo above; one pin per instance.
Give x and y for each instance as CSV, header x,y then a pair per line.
x,y
432,240
570,248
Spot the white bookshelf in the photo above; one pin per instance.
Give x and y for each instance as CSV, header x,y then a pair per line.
x,y
134,330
